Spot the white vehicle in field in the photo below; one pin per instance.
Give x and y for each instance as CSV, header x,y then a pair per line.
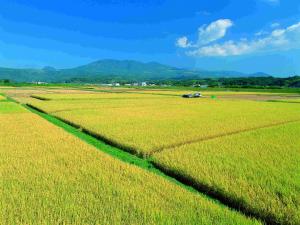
x,y
195,95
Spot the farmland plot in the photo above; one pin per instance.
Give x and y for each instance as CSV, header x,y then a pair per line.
x,y
90,96
117,92
10,107
149,125
257,170
50,177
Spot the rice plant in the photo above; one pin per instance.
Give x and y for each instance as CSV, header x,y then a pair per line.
x,y
257,170
49,176
147,125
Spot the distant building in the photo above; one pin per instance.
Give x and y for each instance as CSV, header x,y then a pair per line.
x,y
143,84
40,82
200,85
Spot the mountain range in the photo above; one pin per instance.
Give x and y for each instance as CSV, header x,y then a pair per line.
x,y
114,70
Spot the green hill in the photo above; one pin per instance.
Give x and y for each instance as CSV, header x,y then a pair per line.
x,y
108,70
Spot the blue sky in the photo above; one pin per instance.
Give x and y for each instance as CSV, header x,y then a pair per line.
x,y
243,35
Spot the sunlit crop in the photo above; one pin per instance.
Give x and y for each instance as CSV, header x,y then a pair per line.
x,y
245,152
89,96
51,177
10,107
290,100
147,125
258,170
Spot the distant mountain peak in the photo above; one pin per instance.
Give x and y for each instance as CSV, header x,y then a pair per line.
x,y
116,69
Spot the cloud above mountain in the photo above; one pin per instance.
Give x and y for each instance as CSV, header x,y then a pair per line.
x,y
207,33
278,39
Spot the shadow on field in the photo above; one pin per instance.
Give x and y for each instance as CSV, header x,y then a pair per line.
x,y
40,98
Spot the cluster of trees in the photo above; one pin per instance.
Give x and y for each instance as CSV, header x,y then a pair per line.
x,y
244,82
4,81
262,82
241,82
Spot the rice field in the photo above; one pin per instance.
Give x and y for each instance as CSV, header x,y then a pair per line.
x,y
115,92
91,96
258,170
239,148
2,97
49,176
10,107
145,125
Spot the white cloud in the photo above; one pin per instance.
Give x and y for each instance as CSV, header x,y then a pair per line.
x,y
279,39
207,34
228,48
213,31
182,42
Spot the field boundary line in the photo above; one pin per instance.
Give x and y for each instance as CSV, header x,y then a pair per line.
x,y
170,147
